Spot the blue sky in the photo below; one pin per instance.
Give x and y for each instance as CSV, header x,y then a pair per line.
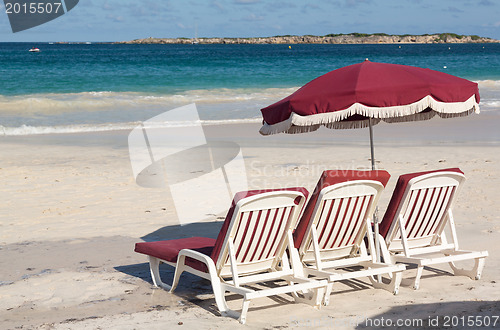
x,y
116,20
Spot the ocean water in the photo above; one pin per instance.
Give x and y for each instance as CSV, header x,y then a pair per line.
x,y
96,87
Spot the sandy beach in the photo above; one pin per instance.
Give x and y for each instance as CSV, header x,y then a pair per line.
x,y
72,212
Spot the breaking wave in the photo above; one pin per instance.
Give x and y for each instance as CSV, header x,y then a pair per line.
x,y
112,111
65,129
97,101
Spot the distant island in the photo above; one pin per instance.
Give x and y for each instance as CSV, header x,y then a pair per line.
x,y
351,38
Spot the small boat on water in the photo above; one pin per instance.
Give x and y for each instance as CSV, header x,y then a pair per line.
x,y
34,50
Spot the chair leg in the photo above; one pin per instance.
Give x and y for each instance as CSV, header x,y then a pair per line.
x,y
386,255
416,283
216,287
393,285
179,269
154,267
474,273
220,300
313,297
328,292
244,310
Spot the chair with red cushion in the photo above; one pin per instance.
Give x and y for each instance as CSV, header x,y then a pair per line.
x,y
335,228
250,248
413,228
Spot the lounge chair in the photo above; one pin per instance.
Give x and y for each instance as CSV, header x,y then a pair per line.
x,y
250,248
413,227
335,227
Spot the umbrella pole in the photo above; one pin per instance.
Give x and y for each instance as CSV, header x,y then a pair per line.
x,y
372,149
375,215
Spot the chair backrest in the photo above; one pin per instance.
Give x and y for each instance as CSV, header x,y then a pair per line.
x,y
255,229
423,200
338,211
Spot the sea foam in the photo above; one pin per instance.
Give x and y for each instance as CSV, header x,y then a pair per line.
x,y
67,129
100,111
95,101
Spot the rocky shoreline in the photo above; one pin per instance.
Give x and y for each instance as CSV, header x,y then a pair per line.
x,y
353,38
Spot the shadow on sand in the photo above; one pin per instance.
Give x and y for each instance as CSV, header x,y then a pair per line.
x,y
448,315
202,229
198,291
192,287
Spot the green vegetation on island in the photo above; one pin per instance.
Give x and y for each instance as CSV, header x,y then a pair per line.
x,y
333,38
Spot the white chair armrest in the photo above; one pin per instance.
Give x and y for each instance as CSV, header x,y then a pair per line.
x,y
198,256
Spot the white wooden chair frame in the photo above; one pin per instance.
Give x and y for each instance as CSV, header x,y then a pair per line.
x,y
230,274
430,249
327,264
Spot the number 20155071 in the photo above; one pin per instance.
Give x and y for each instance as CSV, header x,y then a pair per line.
x,y
33,8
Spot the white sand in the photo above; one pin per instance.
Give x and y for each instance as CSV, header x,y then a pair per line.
x,y
71,213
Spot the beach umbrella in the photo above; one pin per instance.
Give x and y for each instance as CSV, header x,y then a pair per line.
x,y
363,94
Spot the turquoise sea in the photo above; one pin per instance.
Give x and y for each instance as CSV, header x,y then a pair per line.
x,y
97,87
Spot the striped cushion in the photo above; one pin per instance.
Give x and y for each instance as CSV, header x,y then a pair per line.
x,y
169,250
239,196
390,213
329,178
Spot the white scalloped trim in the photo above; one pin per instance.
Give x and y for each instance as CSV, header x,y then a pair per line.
x,y
411,112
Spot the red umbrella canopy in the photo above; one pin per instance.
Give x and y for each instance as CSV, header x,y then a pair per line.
x,y
349,96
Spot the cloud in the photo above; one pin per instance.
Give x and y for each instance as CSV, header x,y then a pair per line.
x,y
311,5
455,10
306,8
486,3
114,18
253,18
149,10
245,2
355,3
419,4
160,5
218,6
279,6
349,3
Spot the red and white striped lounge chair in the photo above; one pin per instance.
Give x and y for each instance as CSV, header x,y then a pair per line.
x,y
413,228
250,248
335,227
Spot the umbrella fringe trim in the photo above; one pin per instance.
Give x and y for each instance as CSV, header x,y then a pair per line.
x,y
352,124
460,114
412,112
414,117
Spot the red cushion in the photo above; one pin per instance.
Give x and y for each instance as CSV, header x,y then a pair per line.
x,y
169,250
329,178
397,195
